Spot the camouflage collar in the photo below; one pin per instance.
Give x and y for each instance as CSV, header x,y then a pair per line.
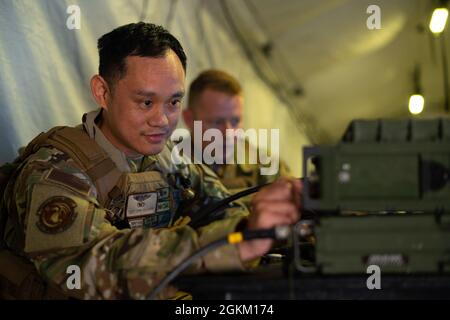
x,y
119,158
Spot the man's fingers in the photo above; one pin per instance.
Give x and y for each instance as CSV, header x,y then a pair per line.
x,y
279,190
285,189
271,221
270,214
276,207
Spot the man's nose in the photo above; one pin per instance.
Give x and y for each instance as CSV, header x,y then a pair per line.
x,y
228,125
158,117
224,126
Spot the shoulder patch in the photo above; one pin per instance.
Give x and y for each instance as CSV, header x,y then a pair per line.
x,y
56,214
69,180
57,218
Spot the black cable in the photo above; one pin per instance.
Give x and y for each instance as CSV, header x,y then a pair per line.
x,y
222,204
445,72
186,263
233,238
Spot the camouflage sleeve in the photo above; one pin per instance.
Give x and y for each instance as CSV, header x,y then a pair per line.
x,y
211,189
283,171
63,225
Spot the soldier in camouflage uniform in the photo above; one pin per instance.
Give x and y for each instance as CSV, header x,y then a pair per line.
x,y
215,98
106,195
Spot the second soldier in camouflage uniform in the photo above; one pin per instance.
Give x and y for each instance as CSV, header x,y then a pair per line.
x,y
215,99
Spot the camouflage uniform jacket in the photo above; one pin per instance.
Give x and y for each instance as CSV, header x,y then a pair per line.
x,y
236,177
126,263
240,176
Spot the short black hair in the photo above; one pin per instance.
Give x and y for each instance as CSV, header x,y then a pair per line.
x,y
134,39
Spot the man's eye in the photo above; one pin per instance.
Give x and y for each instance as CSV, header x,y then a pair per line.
x,y
235,121
147,103
175,103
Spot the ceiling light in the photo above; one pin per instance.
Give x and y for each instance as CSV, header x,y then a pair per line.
x,y
416,103
438,20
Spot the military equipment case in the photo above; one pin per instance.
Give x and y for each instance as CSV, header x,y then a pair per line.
x,y
406,243
381,166
382,197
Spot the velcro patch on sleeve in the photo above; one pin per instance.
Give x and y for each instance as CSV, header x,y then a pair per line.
x,y
56,219
68,180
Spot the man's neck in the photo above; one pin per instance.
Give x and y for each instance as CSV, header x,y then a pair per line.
x,y
97,130
104,127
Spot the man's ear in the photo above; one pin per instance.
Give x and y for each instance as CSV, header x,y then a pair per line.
x,y
100,91
188,117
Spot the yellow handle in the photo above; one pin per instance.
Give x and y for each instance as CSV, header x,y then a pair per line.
x,y
235,237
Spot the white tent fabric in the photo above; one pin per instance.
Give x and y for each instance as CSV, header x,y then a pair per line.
x,y
45,67
344,68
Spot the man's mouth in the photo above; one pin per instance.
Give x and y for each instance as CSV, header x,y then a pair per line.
x,y
155,137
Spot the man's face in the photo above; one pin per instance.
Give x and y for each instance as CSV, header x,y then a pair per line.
x,y
145,104
218,110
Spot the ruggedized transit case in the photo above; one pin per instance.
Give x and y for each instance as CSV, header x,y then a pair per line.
x,y
381,197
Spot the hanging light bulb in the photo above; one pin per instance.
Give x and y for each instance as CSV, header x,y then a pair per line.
x,y
438,20
416,103
416,100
